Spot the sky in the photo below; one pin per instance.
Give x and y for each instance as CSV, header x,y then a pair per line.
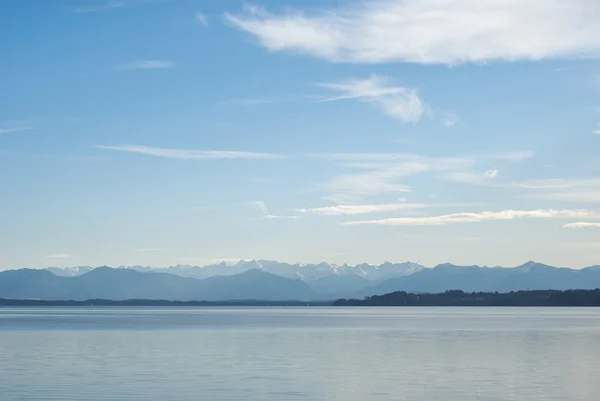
x,y
165,132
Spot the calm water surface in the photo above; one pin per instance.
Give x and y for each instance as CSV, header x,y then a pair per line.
x,y
345,354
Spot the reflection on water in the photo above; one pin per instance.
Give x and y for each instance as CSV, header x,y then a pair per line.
x,y
345,354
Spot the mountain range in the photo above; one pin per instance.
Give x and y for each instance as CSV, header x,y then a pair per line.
x,y
305,272
267,280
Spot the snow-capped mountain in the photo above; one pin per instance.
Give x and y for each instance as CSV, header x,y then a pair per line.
x,y
70,271
305,272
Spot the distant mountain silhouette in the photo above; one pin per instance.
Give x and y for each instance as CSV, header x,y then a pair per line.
x,y
305,272
529,276
70,271
327,280
333,287
254,284
294,282
120,284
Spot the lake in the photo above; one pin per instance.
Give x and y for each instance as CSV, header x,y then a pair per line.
x,y
321,354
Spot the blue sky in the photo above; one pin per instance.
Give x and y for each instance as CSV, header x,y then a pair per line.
x,y
164,132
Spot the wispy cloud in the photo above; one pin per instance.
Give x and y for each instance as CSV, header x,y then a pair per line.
x,y
597,131
14,129
431,31
569,196
581,224
559,189
450,120
106,6
492,173
342,199
201,18
58,256
255,101
468,177
396,101
190,154
97,6
275,217
260,205
340,210
149,249
558,183
377,173
148,65
478,217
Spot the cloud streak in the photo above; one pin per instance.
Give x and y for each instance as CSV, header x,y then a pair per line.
x,y
260,205
477,217
16,129
147,65
581,224
58,256
201,18
396,101
276,217
112,5
431,31
190,154
103,6
559,189
377,173
450,120
341,210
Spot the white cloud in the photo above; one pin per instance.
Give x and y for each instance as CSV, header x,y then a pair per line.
x,y
190,154
558,183
16,129
581,224
573,190
342,199
274,217
360,209
569,196
260,205
148,65
478,217
431,31
396,101
58,256
450,120
111,5
255,101
382,172
201,18
390,157
150,250
493,173
474,178
508,156
371,183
